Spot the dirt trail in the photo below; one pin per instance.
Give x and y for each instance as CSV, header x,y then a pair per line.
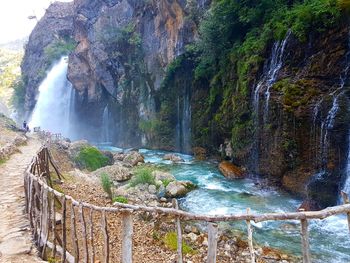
x,y
15,238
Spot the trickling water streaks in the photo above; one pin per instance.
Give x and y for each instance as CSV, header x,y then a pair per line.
x,y
275,66
268,78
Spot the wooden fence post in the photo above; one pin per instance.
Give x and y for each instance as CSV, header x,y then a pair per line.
x,y
74,233
84,233
305,241
106,237
212,242
179,233
91,224
127,237
250,238
346,201
64,228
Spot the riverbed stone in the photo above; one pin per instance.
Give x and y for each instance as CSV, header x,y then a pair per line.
x,y
133,158
230,170
178,188
173,157
116,172
161,176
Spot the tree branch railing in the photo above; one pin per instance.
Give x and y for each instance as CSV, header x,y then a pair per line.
x,y
71,235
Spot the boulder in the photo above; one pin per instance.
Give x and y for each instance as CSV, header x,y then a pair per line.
x,y
133,158
230,170
161,176
179,188
116,172
173,157
118,157
199,153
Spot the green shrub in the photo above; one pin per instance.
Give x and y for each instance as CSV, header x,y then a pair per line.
x,y
143,175
91,158
166,182
106,184
120,199
170,241
59,48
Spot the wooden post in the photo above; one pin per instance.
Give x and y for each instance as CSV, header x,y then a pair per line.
x,y
305,241
346,201
127,237
106,238
83,232
250,238
64,228
45,221
212,242
74,234
53,225
91,224
178,234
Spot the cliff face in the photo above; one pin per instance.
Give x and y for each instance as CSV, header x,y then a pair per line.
x,y
55,26
133,71
124,48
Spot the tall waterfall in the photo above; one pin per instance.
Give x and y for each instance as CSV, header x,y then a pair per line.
x,y
105,126
55,105
183,126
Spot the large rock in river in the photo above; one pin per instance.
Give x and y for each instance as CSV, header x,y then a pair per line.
x,y
116,172
179,188
230,170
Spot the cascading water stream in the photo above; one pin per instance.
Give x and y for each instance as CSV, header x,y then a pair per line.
x,y
105,126
268,78
53,110
183,126
275,66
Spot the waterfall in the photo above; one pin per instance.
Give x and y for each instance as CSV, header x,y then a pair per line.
x,y
183,125
105,126
267,79
275,66
53,110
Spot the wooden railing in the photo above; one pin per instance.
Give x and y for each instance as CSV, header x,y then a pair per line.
x,y
73,238
48,136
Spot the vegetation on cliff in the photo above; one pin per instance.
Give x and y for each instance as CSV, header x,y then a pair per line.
x,y
235,37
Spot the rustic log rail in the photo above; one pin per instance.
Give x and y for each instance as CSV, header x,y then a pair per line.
x,y
50,231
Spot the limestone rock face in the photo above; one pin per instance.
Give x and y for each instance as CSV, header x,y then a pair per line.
x,y
56,24
230,170
116,172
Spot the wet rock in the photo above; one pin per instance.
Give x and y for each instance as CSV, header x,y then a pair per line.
x,y
231,171
133,158
173,157
199,153
116,172
161,176
178,188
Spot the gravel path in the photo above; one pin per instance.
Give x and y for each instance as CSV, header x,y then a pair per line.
x,y
15,237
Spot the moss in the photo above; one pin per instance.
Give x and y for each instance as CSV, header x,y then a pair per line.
x,y
170,241
120,199
59,48
91,158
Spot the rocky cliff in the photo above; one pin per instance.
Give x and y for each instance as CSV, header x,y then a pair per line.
x,y
283,114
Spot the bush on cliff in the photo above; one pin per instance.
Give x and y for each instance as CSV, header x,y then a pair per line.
x,y
91,158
